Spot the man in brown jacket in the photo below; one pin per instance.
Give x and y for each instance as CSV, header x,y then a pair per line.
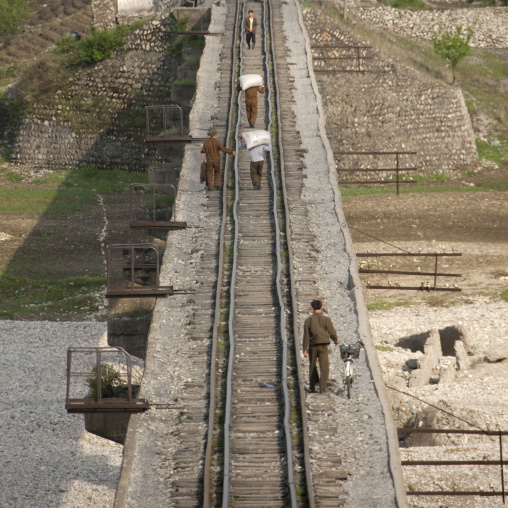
x,y
250,23
318,330
251,102
211,149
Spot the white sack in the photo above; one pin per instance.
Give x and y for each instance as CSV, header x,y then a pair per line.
x,y
250,80
256,138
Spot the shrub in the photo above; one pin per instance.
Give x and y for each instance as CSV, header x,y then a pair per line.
x,y
95,47
12,14
111,381
100,44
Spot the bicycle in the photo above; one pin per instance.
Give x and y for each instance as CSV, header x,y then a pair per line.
x,y
348,353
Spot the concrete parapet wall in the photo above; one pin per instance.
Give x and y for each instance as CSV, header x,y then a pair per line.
x,y
391,107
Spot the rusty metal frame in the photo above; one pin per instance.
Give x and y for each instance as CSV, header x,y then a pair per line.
x,y
154,223
134,290
397,169
157,138
101,404
501,462
423,287
357,57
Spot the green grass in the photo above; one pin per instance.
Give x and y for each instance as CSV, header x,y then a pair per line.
x,y
379,347
14,177
48,298
404,4
307,5
497,154
77,192
12,14
504,295
386,305
185,82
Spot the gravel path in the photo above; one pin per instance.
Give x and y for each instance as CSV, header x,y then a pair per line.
x,y
47,459
354,428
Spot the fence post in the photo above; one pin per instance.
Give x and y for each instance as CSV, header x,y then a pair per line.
x,y
397,156
502,469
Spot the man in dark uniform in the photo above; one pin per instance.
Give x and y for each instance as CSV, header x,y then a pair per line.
x,y
250,23
211,149
318,330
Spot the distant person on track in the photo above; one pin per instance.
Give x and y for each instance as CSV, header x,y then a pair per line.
x,y
250,23
212,149
251,102
318,330
256,162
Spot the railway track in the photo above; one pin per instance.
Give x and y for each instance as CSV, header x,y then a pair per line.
x,y
258,456
231,426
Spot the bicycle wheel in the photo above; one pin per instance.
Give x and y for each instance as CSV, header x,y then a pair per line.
x,y
348,386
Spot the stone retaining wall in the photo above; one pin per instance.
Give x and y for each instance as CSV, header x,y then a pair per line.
x,y
391,107
489,24
98,116
108,13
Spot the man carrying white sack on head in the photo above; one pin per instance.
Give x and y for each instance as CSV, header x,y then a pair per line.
x,y
256,153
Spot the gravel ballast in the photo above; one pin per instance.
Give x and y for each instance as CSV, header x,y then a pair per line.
x,y
47,458
354,428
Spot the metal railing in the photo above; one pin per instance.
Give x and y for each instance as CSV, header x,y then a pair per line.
x,y
485,493
397,170
423,286
154,206
133,270
358,56
103,378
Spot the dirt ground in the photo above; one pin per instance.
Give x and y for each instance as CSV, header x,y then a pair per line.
x,y
472,223
62,246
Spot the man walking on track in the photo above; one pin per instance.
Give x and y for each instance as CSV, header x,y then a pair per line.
x,y
250,23
256,162
211,149
318,330
251,102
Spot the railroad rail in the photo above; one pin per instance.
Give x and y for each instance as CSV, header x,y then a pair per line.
x,y
258,465
247,444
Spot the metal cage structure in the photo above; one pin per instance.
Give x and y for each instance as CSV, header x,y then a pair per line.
x,y
197,27
133,270
100,380
153,206
165,123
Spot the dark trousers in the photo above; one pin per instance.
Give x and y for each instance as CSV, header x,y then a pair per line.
x,y
318,353
212,174
252,110
256,172
251,36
